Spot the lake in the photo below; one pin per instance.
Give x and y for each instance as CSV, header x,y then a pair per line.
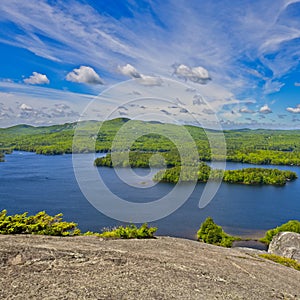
x,y
31,182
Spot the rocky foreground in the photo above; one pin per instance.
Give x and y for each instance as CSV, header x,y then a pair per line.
x,y
43,267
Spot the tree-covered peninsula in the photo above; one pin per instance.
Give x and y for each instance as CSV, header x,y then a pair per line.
x,y
137,159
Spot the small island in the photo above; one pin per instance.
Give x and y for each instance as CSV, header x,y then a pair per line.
x,y
249,176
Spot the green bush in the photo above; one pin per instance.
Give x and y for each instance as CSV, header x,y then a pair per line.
x,y
128,232
288,262
41,223
212,233
291,226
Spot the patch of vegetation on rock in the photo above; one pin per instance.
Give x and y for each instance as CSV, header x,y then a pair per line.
x,y
211,233
291,226
128,232
41,223
288,262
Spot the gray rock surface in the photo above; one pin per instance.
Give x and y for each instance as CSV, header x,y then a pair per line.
x,y
43,267
286,244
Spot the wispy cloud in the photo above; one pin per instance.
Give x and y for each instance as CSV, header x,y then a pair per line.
x,y
35,105
246,49
271,87
245,110
156,39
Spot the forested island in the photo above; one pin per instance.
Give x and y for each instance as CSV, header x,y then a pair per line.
x,y
248,176
275,147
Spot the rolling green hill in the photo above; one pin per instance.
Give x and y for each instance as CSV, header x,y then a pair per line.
x,y
245,145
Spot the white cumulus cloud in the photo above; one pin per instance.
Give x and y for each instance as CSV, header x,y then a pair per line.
x,y
131,71
195,74
265,109
84,74
37,78
25,107
297,83
294,110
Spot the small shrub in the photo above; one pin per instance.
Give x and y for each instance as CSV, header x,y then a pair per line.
x,y
128,232
41,223
212,233
291,226
288,262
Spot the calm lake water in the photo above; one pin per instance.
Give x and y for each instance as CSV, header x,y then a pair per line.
x,y
32,183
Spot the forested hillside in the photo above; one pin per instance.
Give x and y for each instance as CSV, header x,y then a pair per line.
x,y
249,146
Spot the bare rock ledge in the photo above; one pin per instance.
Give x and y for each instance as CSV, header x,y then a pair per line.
x,y
43,267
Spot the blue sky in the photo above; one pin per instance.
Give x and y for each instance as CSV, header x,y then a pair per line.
x,y
241,56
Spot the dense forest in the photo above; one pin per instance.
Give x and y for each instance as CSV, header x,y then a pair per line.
x,y
277,147
241,176
137,159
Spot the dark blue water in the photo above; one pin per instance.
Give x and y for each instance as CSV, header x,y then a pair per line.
x,y
32,183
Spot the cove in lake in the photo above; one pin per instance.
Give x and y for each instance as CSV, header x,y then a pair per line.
x,y
31,182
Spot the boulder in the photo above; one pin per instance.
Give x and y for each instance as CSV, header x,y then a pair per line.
x,y
286,244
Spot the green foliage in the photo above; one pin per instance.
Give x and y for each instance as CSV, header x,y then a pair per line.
x,y
259,176
189,173
291,226
242,176
248,146
41,223
288,262
139,159
212,233
128,232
